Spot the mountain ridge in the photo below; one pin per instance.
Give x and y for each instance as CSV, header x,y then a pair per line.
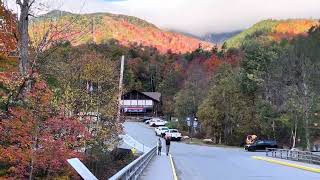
x,y
103,27
273,30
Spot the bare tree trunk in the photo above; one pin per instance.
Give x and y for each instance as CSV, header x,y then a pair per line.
x,y
294,137
23,27
306,108
307,132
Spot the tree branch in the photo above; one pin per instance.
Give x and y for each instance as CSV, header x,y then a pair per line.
x,y
19,2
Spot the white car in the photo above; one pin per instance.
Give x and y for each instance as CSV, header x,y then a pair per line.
x,y
174,134
157,122
161,131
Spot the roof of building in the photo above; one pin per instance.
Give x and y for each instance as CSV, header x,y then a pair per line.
x,y
153,95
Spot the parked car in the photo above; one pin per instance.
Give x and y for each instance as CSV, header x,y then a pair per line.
x,y
174,134
146,119
155,122
261,145
161,131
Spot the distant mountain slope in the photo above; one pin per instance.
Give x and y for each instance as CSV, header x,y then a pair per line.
x,y
103,27
273,30
219,38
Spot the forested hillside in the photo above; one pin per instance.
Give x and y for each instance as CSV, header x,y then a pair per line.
x,y
272,30
274,93
103,27
219,38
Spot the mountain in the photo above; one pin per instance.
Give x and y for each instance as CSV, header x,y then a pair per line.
x,y
103,27
219,38
274,30
215,38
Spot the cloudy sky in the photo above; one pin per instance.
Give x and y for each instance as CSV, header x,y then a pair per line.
x,y
196,16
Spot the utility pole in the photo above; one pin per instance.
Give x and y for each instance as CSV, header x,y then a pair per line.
x,y
120,89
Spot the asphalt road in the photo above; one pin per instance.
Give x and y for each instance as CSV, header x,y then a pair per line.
x,y
194,162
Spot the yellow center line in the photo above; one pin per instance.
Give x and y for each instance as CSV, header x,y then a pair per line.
x,y
175,177
307,168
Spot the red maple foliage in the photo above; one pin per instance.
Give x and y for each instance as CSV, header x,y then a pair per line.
x,y
36,139
8,30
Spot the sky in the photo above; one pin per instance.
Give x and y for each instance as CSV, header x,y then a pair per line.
x,y
197,17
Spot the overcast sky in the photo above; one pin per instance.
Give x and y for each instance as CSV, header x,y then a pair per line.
x,y
196,16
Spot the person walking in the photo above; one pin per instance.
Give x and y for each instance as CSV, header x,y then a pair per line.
x,y
159,144
168,142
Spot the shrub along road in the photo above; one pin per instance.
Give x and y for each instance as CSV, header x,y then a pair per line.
x,y
194,162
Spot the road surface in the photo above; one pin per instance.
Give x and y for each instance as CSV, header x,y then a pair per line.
x,y
194,162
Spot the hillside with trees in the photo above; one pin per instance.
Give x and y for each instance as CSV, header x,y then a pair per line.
x,y
272,30
219,38
103,27
44,120
274,93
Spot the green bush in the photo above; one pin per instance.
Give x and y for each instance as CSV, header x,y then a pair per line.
x,y
172,125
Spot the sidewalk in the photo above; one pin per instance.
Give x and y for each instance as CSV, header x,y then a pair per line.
x,y
158,169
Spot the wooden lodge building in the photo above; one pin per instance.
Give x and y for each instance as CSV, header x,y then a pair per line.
x,y
136,103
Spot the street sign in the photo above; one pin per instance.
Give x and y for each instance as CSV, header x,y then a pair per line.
x,y
195,124
135,109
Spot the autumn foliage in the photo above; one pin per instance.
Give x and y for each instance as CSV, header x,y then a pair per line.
x,y
293,28
8,31
39,137
101,28
272,30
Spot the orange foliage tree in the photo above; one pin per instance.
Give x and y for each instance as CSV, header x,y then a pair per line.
x,y
36,140
8,31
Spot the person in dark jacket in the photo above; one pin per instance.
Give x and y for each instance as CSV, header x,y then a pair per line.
x,y
168,142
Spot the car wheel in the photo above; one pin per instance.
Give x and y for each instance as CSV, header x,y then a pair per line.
x,y
179,139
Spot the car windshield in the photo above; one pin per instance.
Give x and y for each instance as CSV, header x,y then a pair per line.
x,y
174,131
260,142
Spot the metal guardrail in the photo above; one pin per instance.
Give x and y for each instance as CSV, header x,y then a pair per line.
x,y
294,155
134,169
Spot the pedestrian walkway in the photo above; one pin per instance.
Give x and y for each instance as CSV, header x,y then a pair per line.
x,y
158,169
